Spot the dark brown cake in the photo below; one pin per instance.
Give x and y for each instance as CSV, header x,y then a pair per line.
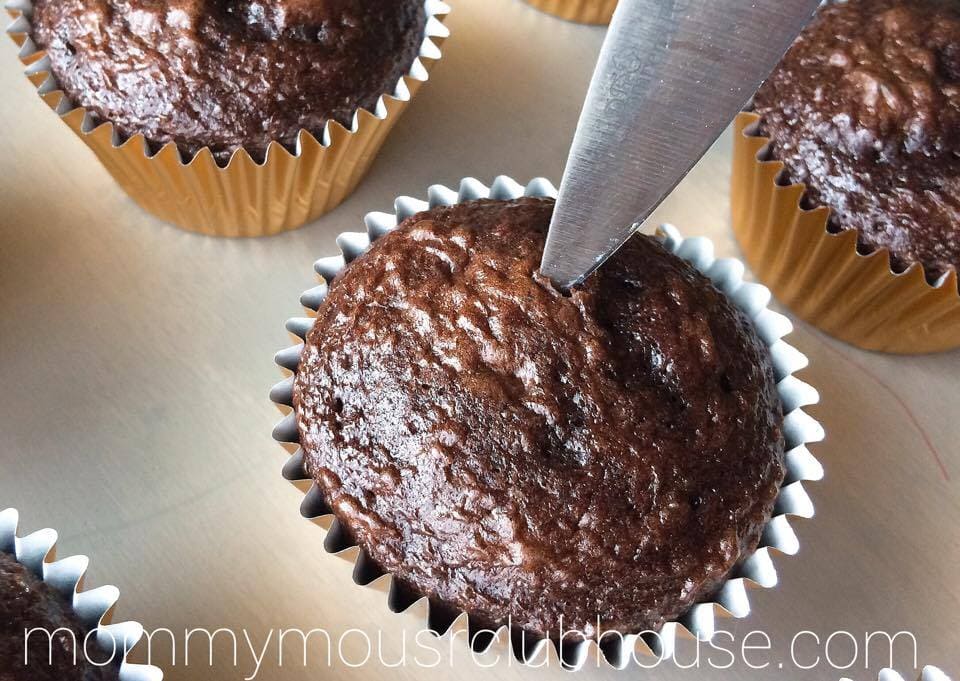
x,y
865,110
225,75
27,603
512,451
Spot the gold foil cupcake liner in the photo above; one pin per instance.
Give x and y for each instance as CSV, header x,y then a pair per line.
x,y
243,198
821,275
581,11
702,620
94,607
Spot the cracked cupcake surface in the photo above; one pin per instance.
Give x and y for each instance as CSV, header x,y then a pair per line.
x,y
27,603
510,451
228,74
865,110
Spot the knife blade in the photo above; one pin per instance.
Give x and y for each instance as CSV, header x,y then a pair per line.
x,y
671,76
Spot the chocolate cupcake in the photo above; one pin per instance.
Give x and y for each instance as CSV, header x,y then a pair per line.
x,y
581,11
50,631
864,113
227,75
259,80
565,464
27,604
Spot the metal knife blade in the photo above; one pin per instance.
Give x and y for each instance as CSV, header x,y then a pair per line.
x,y
671,75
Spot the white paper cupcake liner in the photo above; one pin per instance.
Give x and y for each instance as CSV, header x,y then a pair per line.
x,y
701,620
93,607
929,673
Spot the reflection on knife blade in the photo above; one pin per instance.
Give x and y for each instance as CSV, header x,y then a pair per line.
x,y
671,75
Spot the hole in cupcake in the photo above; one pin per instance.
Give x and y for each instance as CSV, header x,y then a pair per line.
x,y
563,291
337,406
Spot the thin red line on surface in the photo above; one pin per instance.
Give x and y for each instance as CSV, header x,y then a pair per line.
x,y
903,404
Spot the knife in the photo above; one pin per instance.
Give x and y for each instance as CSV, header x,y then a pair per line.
x,y
671,76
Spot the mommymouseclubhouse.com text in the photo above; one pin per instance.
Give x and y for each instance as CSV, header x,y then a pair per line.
x,y
254,654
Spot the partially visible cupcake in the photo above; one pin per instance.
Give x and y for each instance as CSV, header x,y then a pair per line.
x,y
252,86
864,114
568,463
27,604
48,630
581,11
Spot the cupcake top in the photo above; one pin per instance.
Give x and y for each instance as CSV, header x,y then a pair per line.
x,y
608,455
27,603
865,110
226,75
